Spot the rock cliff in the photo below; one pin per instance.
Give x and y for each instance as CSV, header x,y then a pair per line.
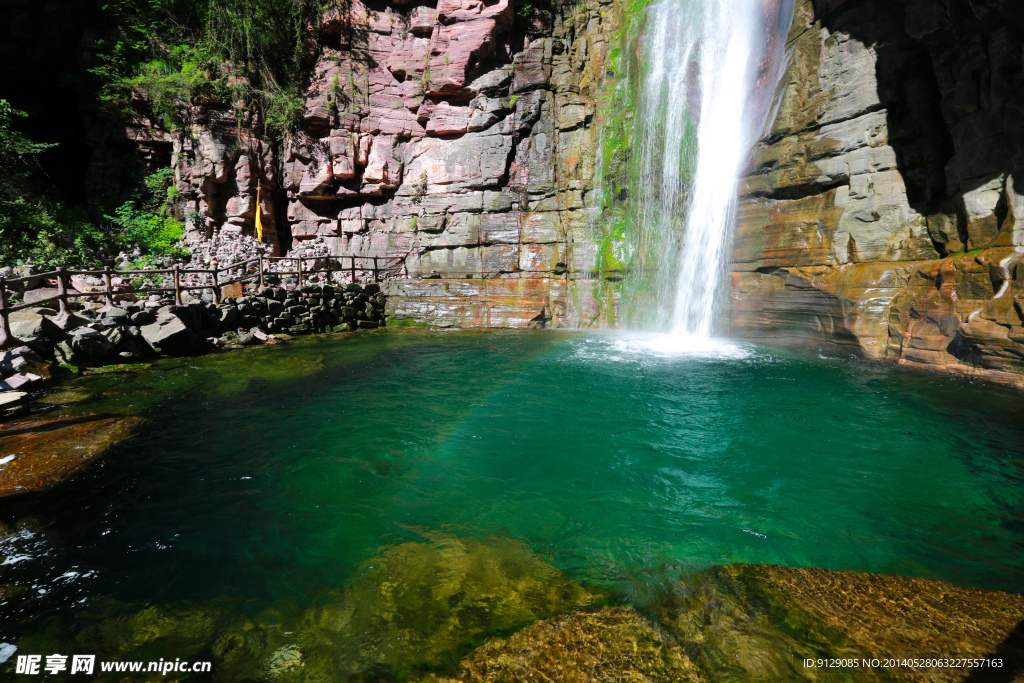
x,y
458,140
450,138
880,216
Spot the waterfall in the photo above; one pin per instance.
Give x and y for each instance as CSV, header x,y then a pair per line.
x,y
709,73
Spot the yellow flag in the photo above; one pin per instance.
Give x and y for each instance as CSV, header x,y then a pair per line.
x,y
259,223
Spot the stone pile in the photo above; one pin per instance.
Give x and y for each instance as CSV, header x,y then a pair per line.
x,y
313,248
314,254
222,247
226,248
130,332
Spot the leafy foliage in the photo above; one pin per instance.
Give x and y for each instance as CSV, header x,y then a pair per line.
x,y
244,54
19,163
33,226
143,219
36,228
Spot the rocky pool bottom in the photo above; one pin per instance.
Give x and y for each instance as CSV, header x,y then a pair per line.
x,y
405,505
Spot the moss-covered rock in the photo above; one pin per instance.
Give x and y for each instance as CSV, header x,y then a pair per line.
x,y
613,644
760,622
415,607
423,605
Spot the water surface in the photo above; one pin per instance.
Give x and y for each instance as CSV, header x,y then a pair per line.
x,y
270,476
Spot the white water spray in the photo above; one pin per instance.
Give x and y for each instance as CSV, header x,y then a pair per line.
x,y
711,71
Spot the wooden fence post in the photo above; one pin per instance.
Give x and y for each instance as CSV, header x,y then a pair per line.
x,y
216,284
329,281
6,338
177,284
109,285
353,264
62,290
260,265
298,267
376,278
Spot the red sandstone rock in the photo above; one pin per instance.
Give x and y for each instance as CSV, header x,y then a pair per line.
x,y
381,165
342,156
453,11
376,167
458,50
530,72
448,120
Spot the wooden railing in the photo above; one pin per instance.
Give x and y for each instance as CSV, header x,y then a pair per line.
x,y
252,270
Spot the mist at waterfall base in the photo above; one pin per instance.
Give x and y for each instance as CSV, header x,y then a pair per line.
x,y
705,91
272,476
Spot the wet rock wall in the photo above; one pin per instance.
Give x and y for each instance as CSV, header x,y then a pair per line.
x,y
880,215
454,139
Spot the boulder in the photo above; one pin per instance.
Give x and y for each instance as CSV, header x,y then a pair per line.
x,y
144,317
114,312
30,313
25,271
190,314
229,316
89,346
247,339
168,335
69,321
11,399
24,359
41,333
23,381
43,294
113,336
65,353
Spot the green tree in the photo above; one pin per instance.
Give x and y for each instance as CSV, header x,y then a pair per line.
x,y
143,220
35,227
244,54
19,165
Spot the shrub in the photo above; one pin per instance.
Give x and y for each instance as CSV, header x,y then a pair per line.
x,y
144,219
244,54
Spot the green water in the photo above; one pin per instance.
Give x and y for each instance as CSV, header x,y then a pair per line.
x,y
274,478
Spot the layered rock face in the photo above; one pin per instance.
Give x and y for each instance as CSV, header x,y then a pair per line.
x,y
450,139
881,214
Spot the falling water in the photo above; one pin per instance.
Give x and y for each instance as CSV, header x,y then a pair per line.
x,y
710,72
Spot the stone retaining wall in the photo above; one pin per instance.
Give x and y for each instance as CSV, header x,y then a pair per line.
x,y
132,332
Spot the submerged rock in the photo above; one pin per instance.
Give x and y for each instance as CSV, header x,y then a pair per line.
x,y
45,452
425,604
760,622
473,611
606,646
416,607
